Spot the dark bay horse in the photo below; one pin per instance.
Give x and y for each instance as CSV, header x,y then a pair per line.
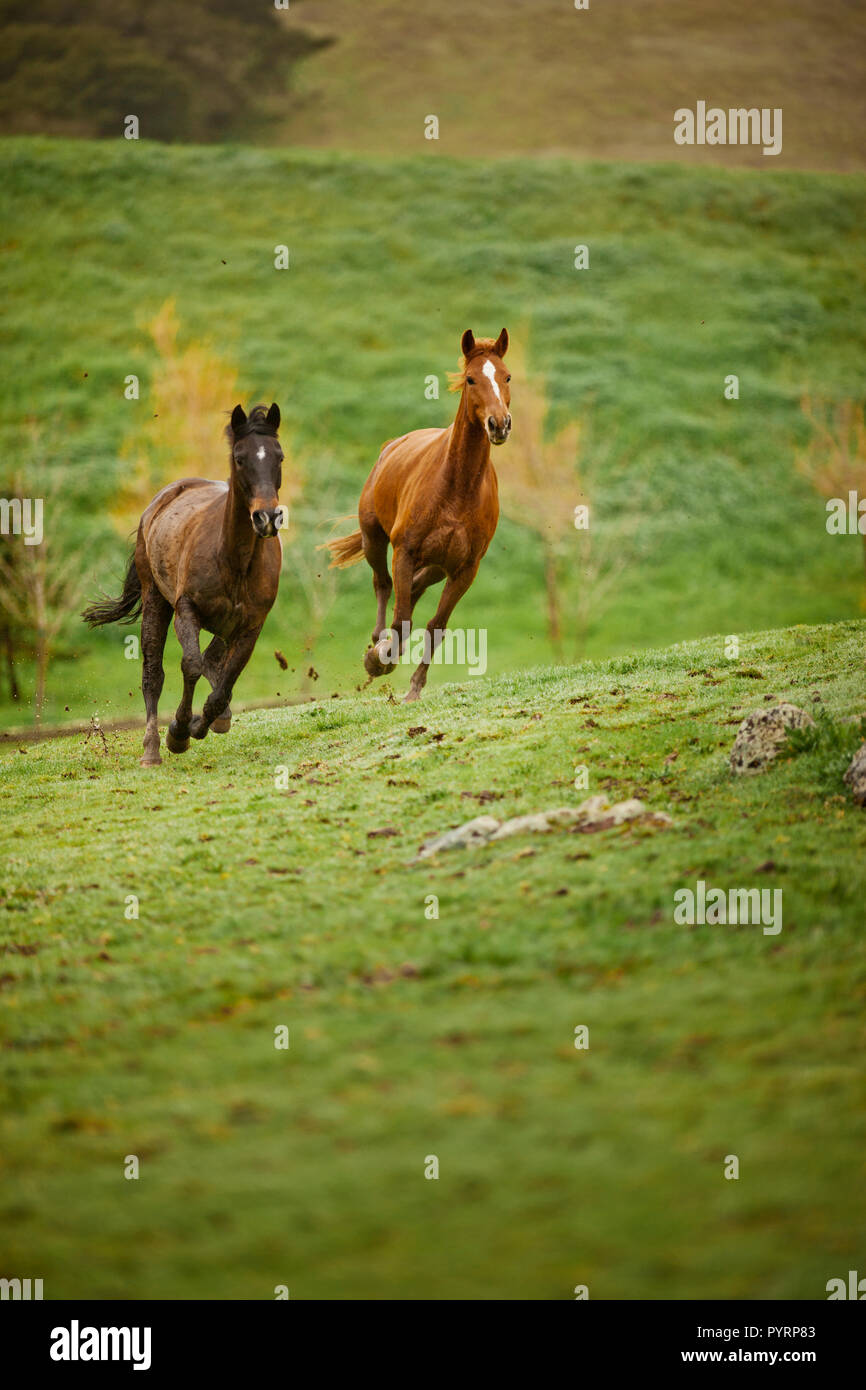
x,y
433,495
210,553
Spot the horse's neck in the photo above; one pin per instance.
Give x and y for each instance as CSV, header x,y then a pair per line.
x,y
468,456
238,539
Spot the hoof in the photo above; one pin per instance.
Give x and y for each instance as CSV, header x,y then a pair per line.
x,y
411,696
221,725
373,663
151,762
175,744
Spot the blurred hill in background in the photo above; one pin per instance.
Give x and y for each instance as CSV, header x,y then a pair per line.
x,y
540,77
200,70
503,77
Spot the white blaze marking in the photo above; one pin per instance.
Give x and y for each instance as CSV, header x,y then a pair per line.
x,y
490,371
261,452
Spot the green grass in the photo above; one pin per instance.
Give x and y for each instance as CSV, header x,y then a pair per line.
x,y
411,1036
695,273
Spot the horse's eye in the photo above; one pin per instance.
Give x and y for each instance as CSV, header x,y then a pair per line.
x,y
470,381
508,378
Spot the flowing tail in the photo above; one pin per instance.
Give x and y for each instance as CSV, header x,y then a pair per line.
x,y
345,550
117,610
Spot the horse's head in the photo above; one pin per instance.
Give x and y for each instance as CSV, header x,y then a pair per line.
x,y
256,464
486,392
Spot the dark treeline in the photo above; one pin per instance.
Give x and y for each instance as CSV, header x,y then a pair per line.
x,y
203,70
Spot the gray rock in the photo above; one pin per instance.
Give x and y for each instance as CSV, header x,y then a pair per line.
x,y
474,832
593,814
632,809
856,776
539,822
762,733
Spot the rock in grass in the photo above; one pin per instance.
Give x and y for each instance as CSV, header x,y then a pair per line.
x,y
856,775
538,821
593,814
761,735
474,832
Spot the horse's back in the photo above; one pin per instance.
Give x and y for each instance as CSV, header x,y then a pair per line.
x,y
171,522
188,489
413,445
404,464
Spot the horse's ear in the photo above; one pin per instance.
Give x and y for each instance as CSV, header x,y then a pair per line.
x,y
500,347
273,416
239,418
467,342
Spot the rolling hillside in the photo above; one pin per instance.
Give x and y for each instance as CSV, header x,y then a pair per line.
x,y
269,901
694,274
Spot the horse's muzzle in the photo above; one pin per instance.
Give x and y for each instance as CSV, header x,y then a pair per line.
x,y
265,523
498,432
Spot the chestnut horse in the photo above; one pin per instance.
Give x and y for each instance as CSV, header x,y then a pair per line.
x,y
209,553
433,495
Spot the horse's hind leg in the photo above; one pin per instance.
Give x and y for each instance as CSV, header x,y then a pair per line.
x,y
187,627
382,658
212,664
376,552
422,579
155,618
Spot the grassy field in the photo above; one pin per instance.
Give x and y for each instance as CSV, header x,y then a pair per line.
x,y
537,76
694,274
414,1036
159,928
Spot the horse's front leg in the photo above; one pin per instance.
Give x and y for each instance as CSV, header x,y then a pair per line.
x,y
450,597
187,625
212,663
381,658
236,658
